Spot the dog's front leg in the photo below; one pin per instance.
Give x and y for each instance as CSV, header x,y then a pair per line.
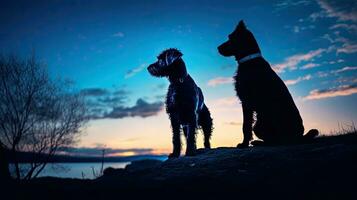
x,y
176,141
190,133
247,126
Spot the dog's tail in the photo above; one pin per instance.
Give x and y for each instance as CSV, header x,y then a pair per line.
x,y
310,135
205,121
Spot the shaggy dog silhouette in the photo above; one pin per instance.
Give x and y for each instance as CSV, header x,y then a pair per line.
x,y
268,108
184,102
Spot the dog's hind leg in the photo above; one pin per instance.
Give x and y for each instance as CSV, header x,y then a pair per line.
x,y
176,141
205,121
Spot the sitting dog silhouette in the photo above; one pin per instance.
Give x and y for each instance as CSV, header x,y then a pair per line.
x,y
268,108
184,102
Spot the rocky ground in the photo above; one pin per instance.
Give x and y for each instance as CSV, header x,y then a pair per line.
x,y
323,169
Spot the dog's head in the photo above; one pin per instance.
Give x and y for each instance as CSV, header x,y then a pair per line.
x,y
241,42
169,64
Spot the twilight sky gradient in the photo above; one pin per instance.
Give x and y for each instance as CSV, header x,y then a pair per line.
x,y
105,47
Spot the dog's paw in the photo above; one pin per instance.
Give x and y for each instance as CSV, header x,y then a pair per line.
x,y
173,155
243,145
207,145
258,143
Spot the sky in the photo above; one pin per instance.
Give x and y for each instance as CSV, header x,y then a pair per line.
x,y
105,47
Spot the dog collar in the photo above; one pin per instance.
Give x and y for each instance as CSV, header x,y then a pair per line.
x,y
249,57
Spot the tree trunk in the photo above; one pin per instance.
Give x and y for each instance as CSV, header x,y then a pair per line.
x,y
4,165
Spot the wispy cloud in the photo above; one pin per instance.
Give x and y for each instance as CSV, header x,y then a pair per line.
x,y
344,69
290,3
333,9
310,65
292,62
134,71
341,44
299,79
220,81
346,80
299,28
348,48
316,15
349,27
334,61
344,90
118,34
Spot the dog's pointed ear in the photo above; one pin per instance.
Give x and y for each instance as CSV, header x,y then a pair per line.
x,y
241,25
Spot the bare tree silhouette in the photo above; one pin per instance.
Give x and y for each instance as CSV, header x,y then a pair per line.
x,y
37,114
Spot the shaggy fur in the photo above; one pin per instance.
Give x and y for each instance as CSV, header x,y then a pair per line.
x,y
184,102
268,108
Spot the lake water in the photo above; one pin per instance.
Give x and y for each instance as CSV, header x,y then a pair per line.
x,y
82,170
77,170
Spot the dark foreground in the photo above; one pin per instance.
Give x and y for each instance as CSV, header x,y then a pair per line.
x,y
324,169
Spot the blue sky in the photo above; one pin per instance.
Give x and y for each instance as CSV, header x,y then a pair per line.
x,y
105,47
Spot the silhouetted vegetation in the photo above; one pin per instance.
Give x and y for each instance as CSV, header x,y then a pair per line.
x,y
37,114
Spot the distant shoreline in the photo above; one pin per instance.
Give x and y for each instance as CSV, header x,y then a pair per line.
x,y
24,157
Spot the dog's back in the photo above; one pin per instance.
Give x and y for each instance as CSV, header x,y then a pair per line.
x,y
260,87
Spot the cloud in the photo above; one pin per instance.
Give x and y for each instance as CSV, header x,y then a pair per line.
x,y
334,62
316,15
339,9
140,109
310,65
118,34
220,81
347,48
134,71
110,104
344,69
101,100
346,80
328,37
112,100
322,74
298,29
344,90
349,27
290,3
292,62
95,92
97,151
299,79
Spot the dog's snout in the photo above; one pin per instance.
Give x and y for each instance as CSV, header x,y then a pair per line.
x,y
219,48
224,49
152,69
